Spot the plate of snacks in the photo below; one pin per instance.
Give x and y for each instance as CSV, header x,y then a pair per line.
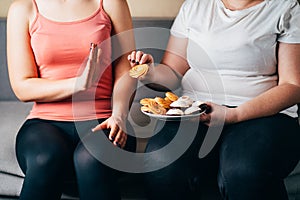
x,y
172,107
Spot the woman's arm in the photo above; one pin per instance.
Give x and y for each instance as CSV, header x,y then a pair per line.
x,y
124,86
23,73
167,74
283,96
123,42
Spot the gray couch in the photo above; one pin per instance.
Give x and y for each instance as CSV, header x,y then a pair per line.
x,y
14,112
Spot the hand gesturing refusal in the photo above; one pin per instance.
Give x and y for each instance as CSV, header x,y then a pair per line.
x,y
89,75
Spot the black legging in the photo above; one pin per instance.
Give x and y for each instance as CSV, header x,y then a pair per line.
x,y
50,153
250,161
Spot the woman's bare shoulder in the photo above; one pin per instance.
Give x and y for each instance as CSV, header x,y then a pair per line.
x,y
21,9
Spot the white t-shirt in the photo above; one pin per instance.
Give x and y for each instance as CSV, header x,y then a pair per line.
x,y
232,54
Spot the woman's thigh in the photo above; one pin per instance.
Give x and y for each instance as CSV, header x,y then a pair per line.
x,y
270,144
256,155
39,141
182,178
44,153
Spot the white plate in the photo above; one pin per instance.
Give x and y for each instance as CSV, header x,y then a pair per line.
x,y
173,117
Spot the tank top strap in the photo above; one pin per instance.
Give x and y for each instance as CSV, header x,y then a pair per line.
x,y
36,7
101,5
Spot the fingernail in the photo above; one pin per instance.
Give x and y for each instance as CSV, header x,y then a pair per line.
x,y
93,45
137,62
133,61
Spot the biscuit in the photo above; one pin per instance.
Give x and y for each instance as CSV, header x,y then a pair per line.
x,y
145,101
179,104
171,96
145,109
154,108
192,110
168,100
138,70
161,101
175,112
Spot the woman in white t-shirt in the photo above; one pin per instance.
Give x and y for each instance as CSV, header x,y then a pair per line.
x,y
243,59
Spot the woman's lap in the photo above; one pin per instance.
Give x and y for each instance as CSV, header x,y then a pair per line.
x,y
45,156
271,143
266,146
58,141
256,155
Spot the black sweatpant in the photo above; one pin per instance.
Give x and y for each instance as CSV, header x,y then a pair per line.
x,y
249,162
51,154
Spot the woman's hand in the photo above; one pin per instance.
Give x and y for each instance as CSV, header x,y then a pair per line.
x,y
117,130
218,115
139,57
89,75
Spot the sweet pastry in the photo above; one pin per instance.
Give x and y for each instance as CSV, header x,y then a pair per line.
x,y
192,110
146,101
154,108
168,100
186,99
138,70
164,103
180,104
145,109
175,111
171,96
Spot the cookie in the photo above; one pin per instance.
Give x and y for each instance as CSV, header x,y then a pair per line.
x,y
138,70
192,110
186,99
161,101
175,112
154,108
171,96
180,104
146,101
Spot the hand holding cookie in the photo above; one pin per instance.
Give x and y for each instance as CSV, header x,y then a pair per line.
x,y
139,71
140,63
139,57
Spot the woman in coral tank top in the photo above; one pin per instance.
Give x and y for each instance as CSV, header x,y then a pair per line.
x,y
60,58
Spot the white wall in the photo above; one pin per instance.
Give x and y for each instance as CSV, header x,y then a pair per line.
x,y
138,8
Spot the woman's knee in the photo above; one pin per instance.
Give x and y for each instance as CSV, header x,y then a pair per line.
x,y
83,159
90,171
252,181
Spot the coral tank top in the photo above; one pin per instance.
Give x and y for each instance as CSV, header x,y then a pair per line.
x,y
60,50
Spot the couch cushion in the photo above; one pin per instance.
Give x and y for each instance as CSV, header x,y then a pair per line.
x,y
13,114
6,91
10,185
